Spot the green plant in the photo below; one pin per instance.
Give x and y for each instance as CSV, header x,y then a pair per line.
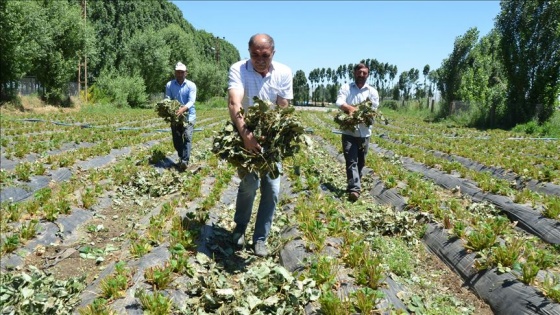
x,y
507,255
140,247
371,272
155,303
332,305
552,208
89,197
29,231
529,272
99,306
367,299
23,171
115,285
481,239
551,287
43,195
324,270
459,228
12,209
159,277
10,244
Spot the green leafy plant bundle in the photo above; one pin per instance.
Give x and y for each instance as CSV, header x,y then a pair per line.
x,y
364,115
167,109
278,130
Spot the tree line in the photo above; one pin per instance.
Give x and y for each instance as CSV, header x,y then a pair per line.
x,y
130,48
509,76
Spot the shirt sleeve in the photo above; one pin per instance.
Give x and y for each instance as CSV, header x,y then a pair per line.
x,y
234,78
286,88
374,98
342,95
192,95
168,90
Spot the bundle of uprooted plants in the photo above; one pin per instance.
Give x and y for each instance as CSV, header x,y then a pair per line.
x,y
365,114
278,131
167,109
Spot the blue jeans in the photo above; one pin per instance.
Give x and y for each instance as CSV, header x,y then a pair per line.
x,y
182,140
270,189
355,150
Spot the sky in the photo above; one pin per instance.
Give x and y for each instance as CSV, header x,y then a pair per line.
x,y
327,34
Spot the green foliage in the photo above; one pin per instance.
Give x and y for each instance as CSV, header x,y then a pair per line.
x,y
121,90
278,130
19,42
167,109
35,292
530,32
147,56
301,88
453,67
210,81
365,114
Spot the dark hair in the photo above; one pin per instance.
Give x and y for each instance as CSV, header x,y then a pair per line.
x,y
360,66
268,39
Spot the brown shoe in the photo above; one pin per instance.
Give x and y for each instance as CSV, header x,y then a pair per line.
x,y
353,196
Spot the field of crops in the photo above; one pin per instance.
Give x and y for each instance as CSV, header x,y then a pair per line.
x,y
96,219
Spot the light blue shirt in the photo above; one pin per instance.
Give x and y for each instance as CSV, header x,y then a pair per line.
x,y
352,95
185,94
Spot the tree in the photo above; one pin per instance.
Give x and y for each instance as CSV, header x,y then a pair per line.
x,y
147,54
530,44
301,88
63,36
483,84
19,43
452,67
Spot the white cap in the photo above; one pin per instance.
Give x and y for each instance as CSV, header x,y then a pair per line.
x,y
180,66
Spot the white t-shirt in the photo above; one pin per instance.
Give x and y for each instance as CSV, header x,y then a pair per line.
x,y
277,82
352,95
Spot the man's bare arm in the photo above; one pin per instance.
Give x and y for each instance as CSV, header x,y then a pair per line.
x,y
234,105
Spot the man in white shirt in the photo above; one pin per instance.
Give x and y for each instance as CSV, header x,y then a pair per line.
x,y
355,142
271,81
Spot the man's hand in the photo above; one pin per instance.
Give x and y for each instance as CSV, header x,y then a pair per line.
x,y
181,110
250,143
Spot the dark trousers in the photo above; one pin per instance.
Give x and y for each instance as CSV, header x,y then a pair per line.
x,y
182,140
355,150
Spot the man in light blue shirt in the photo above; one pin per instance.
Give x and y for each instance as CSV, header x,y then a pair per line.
x,y
355,143
184,91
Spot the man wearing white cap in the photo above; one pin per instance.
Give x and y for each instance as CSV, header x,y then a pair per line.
x,y
184,91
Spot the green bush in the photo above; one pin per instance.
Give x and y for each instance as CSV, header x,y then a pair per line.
x,y
122,91
392,104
